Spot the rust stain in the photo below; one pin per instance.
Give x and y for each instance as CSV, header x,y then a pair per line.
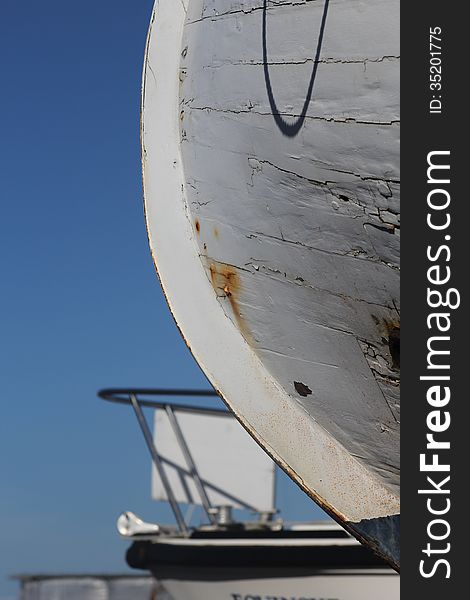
x,y
226,282
390,336
198,225
391,324
216,233
392,339
386,327
394,346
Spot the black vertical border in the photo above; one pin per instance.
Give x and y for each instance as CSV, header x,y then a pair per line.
x,y
421,133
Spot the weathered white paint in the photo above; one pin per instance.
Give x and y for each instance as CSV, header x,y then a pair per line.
x,y
279,255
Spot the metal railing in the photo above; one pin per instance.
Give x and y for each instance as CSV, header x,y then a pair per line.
x,y
138,398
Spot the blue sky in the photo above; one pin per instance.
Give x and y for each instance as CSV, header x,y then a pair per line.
x,y
81,307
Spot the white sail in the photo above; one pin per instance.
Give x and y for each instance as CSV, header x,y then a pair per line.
x,y
234,470
270,149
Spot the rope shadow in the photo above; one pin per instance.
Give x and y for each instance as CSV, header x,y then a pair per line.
x,y
291,129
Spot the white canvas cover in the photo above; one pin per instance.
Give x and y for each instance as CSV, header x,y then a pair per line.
x,y
232,466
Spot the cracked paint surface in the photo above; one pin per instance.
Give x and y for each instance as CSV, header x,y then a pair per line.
x,y
309,226
277,247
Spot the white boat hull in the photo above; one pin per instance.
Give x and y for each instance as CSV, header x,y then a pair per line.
x,y
270,145
333,585
319,562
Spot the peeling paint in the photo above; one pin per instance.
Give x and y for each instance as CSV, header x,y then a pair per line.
x,y
290,246
302,389
289,214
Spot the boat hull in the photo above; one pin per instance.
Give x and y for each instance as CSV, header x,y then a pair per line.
x,y
279,568
332,585
271,176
